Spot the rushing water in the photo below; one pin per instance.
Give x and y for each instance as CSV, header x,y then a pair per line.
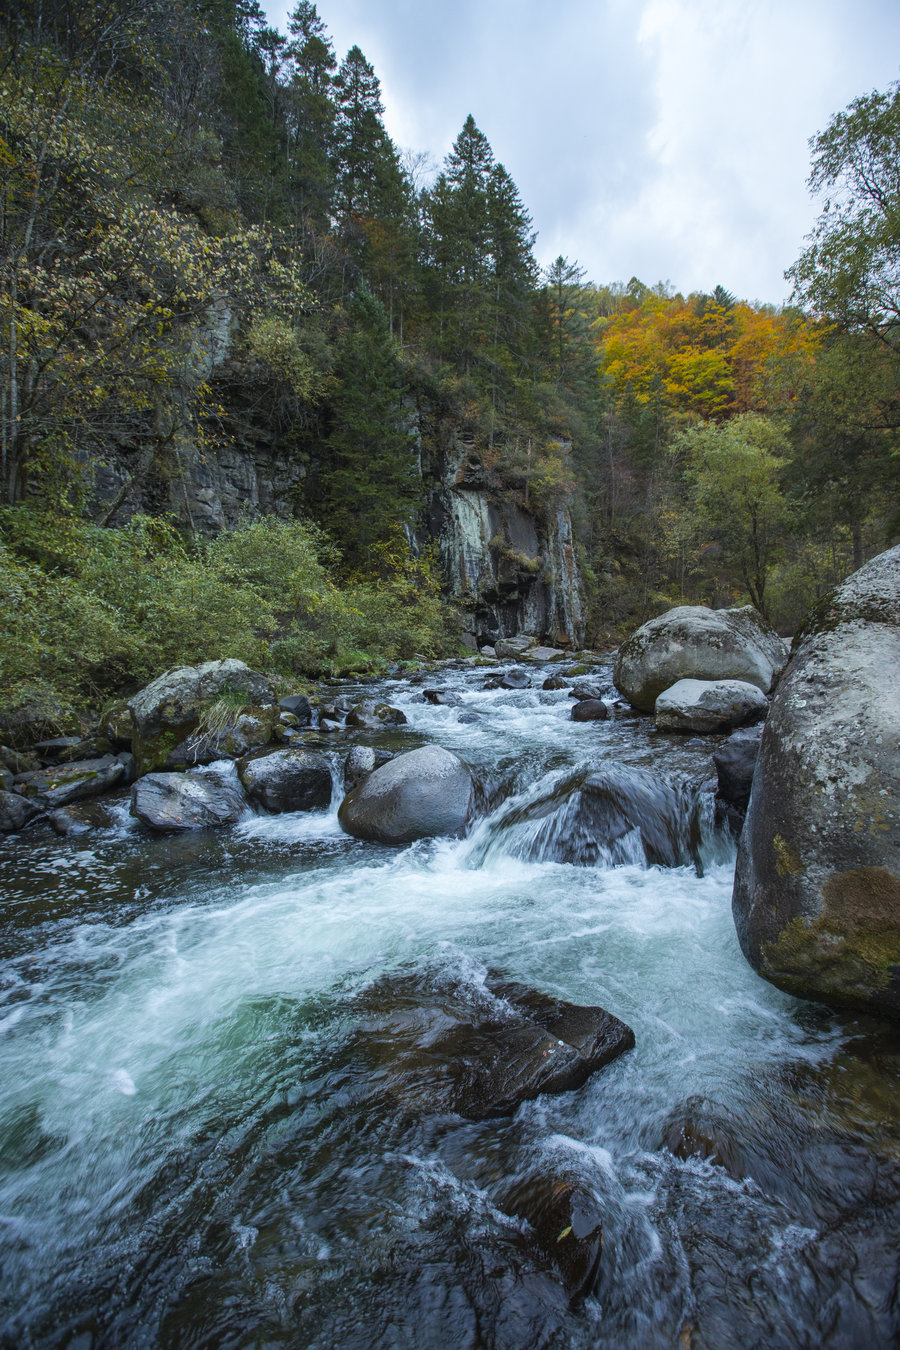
x,y
192,1155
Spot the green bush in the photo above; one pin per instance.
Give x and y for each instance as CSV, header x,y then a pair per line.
x,y
86,612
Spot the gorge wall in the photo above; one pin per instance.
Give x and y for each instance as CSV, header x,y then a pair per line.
x,y
508,563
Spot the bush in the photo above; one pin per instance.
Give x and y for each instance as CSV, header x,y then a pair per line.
x,y
86,612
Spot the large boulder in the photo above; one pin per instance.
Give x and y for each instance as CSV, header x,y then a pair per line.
x,y
419,794
692,642
707,706
817,888
735,762
172,803
169,712
288,780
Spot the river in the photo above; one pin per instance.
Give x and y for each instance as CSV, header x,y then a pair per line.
x,y
190,1155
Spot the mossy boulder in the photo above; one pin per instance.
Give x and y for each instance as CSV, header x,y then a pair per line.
x,y
692,642
817,888
169,713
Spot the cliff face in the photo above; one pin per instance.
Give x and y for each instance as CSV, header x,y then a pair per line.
x,y
510,569
509,566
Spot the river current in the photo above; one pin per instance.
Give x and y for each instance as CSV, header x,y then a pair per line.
x,y
191,1156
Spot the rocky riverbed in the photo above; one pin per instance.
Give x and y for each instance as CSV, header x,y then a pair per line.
x,y
251,1089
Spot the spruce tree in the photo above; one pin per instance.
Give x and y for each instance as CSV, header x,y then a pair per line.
x,y
367,485
311,114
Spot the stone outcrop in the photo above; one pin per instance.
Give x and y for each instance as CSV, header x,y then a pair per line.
x,y
817,888
692,642
707,706
512,570
168,713
422,793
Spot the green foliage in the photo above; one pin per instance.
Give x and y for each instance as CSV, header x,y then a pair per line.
x,y
85,611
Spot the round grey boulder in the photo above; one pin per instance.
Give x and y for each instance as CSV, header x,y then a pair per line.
x,y
419,794
590,710
708,706
692,642
817,888
287,780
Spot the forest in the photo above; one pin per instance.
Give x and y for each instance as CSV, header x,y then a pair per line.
x,y
175,173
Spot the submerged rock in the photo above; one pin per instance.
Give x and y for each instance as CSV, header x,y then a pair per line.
x,y
708,706
419,794
287,780
817,887
611,816
176,802
480,1053
692,642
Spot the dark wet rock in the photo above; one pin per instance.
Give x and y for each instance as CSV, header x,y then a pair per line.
x,y
15,812
83,818
701,1129
590,710
709,706
361,761
299,706
565,1218
293,779
372,716
468,717
515,679
335,709
437,1048
168,712
16,761
442,698
817,886
609,816
583,690
176,802
74,782
66,749
419,794
735,762
692,642
555,682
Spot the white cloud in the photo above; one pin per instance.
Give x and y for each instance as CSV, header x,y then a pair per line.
x,y
660,138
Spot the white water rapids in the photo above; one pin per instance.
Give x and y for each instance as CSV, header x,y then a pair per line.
x,y
188,1155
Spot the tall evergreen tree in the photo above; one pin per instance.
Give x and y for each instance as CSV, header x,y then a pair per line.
x,y
368,483
311,114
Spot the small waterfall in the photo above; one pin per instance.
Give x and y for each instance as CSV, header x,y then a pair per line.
x,y
607,816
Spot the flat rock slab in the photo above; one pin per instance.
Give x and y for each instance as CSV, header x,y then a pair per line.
x,y
173,803
708,706
76,782
481,1053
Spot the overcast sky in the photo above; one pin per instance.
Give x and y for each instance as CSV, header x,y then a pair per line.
x,y
664,139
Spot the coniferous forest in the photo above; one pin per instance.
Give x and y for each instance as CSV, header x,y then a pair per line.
x,y
209,240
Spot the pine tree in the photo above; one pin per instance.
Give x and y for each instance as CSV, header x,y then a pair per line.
x,y
367,486
311,114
